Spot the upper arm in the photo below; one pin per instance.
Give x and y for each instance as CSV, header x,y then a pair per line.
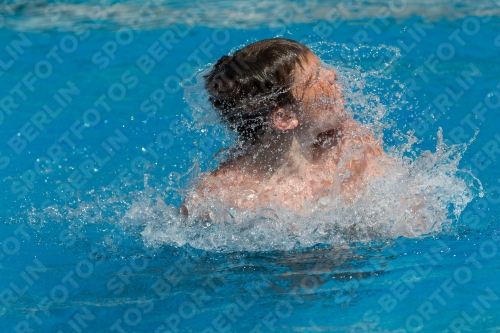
x,y
213,186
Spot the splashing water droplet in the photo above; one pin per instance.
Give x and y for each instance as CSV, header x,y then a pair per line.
x,y
422,195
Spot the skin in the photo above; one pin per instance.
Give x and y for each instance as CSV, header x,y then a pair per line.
x,y
312,150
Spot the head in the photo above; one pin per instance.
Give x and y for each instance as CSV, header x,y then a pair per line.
x,y
274,85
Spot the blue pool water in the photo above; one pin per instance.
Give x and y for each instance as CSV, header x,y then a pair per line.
x,y
98,144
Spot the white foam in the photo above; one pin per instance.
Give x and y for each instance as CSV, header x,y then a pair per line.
x,y
431,181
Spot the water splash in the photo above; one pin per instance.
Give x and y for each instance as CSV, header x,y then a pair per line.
x,y
386,210
424,193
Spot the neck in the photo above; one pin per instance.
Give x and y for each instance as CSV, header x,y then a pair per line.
x,y
288,150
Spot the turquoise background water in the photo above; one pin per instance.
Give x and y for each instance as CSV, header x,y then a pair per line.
x,y
64,212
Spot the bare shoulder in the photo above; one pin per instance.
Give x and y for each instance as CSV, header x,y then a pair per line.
x,y
227,174
222,184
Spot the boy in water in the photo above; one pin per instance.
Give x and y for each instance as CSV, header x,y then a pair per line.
x,y
297,143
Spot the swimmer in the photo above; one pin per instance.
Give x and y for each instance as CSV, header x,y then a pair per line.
x,y
296,141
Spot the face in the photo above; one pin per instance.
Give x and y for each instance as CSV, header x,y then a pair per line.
x,y
319,95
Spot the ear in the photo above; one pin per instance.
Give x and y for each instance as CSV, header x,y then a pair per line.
x,y
284,120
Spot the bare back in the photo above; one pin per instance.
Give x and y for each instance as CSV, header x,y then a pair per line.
x,y
339,171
